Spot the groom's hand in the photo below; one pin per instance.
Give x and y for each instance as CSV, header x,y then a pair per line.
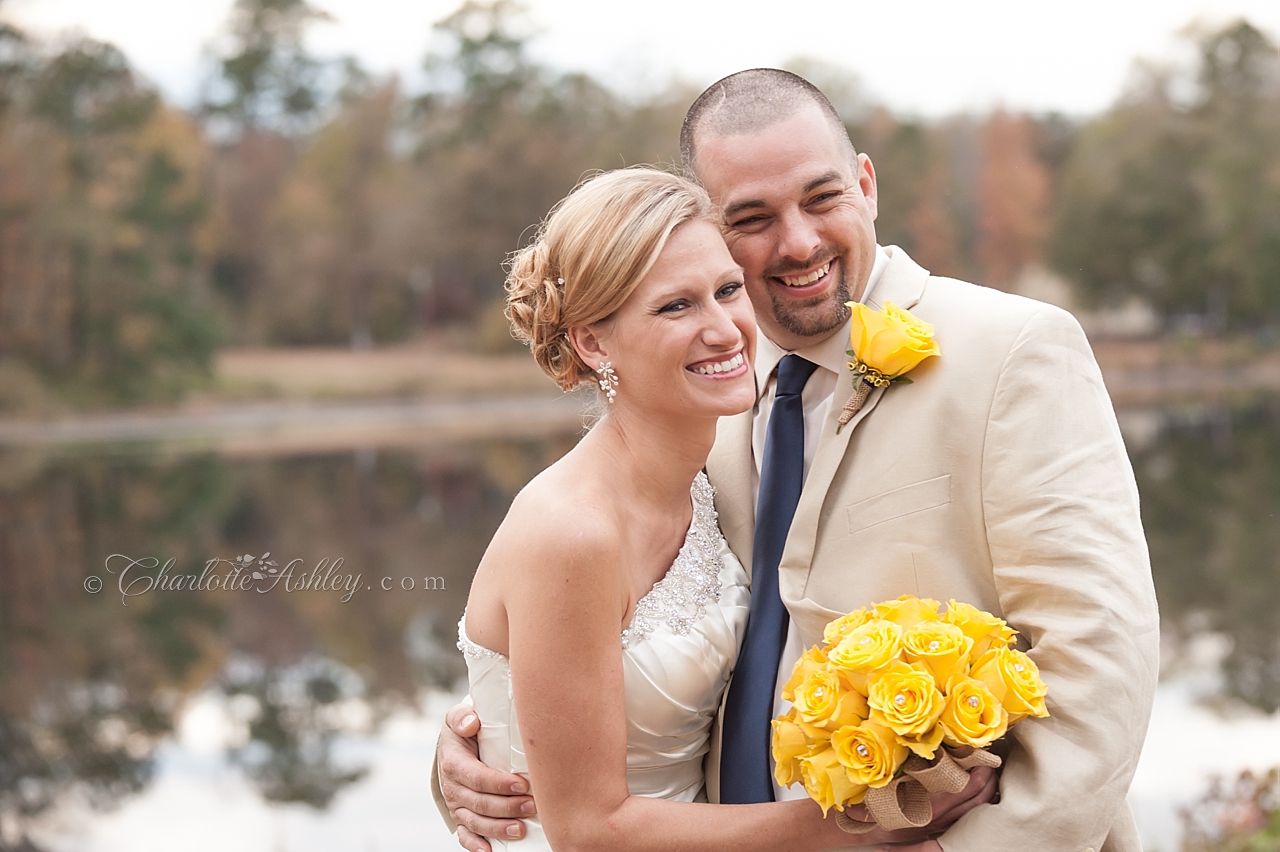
x,y
482,801
983,788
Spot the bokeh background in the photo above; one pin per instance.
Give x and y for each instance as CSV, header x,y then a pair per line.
x,y
250,257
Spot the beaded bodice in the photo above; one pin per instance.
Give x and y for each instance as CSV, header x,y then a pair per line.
x,y
693,581
677,653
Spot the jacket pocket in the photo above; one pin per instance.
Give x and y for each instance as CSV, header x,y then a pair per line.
x,y
906,500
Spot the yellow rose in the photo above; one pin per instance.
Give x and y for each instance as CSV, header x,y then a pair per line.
x,y
844,625
892,341
827,783
1014,680
866,648
941,647
870,753
789,746
905,698
908,610
983,628
823,700
812,660
973,716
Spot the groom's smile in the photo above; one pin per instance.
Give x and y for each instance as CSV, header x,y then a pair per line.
x,y
795,282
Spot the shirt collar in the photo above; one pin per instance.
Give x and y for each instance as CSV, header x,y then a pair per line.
x,y
830,352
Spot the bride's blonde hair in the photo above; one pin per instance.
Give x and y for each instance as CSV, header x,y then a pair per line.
x,y
588,256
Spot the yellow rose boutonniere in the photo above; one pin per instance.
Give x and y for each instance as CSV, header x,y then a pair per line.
x,y
887,344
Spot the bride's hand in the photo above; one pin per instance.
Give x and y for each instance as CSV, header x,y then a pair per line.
x,y
482,801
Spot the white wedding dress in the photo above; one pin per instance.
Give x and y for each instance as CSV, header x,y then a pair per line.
x,y
676,654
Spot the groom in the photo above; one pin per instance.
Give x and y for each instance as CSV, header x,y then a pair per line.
x,y
997,478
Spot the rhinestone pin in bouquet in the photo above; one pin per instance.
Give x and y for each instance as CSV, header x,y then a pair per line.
x,y
900,702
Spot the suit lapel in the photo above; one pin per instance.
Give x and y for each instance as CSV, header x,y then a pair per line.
x,y
802,538
731,467
902,283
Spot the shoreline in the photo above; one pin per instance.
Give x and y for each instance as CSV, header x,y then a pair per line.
x,y
329,399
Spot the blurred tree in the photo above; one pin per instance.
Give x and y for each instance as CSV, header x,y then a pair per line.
x,y
89,88
14,60
901,154
486,64
500,140
266,92
245,180
339,267
1179,203
1013,194
266,78
101,195
924,205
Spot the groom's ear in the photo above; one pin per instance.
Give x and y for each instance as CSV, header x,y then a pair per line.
x,y
589,344
865,174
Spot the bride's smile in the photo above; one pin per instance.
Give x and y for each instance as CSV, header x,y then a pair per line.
x,y
729,368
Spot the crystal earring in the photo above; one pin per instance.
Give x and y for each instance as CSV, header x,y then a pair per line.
x,y
608,381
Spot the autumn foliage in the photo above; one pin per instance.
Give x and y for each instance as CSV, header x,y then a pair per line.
x,y
305,202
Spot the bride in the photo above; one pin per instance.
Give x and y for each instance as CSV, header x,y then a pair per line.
x,y
605,616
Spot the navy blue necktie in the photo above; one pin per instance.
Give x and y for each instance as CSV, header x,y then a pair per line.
x,y
744,756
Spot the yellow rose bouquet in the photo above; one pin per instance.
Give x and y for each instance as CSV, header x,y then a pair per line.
x,y
886,345
900,702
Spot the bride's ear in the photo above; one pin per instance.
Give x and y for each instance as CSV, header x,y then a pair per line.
x,y
589,345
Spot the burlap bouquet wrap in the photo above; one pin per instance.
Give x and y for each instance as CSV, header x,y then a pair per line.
x,y
904,801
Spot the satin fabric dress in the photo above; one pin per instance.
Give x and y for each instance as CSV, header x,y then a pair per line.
x,y
677,654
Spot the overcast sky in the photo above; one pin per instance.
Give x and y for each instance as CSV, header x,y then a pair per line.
x,y
928,57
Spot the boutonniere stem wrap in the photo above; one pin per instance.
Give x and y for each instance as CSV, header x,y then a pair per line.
x,y
886,345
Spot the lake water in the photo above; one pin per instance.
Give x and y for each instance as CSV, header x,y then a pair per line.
x,y
299,711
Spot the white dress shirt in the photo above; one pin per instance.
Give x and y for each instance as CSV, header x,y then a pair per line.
x,y
830,356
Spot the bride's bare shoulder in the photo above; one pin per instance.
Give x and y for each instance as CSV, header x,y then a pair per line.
x,y
563,513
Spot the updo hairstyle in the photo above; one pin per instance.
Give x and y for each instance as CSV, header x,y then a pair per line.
x,y
588,256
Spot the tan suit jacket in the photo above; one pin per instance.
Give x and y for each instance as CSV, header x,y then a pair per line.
x,y
997,478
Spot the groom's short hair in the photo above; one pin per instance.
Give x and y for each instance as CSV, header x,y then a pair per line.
x,y
751,100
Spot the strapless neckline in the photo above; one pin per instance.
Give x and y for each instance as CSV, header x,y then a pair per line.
x,y
680,597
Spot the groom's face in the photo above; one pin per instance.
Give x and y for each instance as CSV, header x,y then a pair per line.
x,y
799,220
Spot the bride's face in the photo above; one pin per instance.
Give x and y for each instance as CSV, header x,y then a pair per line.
x,y
684,340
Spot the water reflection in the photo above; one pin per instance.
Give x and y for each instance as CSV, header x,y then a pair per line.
x,y
91,689
91,684
292,716
1210,486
